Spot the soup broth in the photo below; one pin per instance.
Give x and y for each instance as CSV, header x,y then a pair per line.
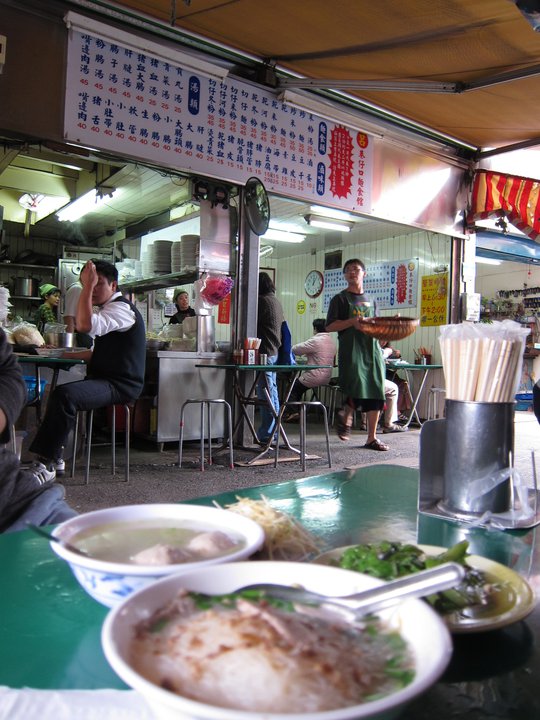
x,y
120,541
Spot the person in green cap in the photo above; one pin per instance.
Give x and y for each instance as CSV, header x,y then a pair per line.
x,y
46,313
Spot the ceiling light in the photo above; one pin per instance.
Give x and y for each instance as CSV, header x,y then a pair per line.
x,y
331,213
487,261
283,236
328,223
87,203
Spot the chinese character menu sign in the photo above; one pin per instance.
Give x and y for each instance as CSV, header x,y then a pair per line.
x,y
434,299
132,103
393,285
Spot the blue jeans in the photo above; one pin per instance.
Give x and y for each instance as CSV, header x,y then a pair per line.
x,y
266,428
62,408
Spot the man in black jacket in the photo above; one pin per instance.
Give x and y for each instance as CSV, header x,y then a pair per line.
x,y
25,496
115,373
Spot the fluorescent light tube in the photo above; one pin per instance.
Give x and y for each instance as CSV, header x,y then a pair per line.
x,y
87,203
283,236
329,223
487,261
331,213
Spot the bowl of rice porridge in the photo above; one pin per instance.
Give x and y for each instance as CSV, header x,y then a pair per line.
x,y
194,648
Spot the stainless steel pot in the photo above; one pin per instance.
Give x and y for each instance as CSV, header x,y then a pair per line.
x,y
27,287
59,340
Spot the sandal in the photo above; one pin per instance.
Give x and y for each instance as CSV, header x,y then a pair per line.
x,y
377,445
343,430
394,429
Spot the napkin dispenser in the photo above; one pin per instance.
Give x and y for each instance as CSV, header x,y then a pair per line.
x,y
466,468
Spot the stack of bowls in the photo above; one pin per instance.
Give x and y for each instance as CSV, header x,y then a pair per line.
x,y
176,257
189,251
161,257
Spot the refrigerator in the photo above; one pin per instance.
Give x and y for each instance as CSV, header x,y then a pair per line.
x,y
71,264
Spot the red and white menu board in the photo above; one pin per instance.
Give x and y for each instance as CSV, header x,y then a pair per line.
x,y
139,105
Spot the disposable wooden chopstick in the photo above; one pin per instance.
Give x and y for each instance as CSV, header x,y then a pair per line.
x,y
487,366
498,375
514,362
472,368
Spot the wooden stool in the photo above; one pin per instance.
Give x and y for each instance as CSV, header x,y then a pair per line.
x,y
206,402
89,425
302,406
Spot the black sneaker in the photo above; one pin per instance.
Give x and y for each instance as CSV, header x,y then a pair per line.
x,y
60,466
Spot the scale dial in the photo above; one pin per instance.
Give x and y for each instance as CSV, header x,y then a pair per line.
x,y
314,283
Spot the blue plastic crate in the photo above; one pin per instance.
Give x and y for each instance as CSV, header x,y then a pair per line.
x,y
30,381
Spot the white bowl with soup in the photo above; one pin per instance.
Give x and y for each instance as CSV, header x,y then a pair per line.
x,y
202,660
128,547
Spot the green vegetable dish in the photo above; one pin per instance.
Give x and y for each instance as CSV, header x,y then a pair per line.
x,y
390,560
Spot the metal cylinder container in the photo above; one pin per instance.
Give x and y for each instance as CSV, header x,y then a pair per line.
x,y
479,442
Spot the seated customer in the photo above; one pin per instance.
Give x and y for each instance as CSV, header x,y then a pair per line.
x,y
25,496
404,399
319,350
115,373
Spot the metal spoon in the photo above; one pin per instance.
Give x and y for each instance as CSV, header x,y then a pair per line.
x,y
350,607
53,538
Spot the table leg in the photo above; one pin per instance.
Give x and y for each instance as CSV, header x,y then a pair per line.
x,y
416,398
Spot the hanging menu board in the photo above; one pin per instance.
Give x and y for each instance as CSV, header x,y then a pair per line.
x,y
393,285
131,102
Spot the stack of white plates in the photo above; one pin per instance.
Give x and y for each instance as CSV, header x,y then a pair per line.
x,y
161,257
189,250
176,257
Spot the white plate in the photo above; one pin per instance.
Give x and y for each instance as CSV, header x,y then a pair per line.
x,y
514,601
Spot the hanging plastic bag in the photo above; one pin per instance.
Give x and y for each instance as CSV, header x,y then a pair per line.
x,y
210,290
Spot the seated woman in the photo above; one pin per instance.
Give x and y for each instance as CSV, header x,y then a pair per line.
x,y
319,350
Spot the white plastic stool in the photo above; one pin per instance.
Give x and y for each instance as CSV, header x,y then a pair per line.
x,y
432,409
302,406
89,424
206,402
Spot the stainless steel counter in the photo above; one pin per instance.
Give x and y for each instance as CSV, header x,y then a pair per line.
x,y
176,378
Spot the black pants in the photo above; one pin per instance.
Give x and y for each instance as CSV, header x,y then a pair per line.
x,y
62,408
297,392
536,400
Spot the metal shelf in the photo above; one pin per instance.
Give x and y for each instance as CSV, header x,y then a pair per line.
x,y
161,281
6,266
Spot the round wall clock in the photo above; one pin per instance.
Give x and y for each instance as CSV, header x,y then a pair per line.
x,y
314,283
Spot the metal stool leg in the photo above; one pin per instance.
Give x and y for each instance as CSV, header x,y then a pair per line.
x,y
127,415
181,438
75,437
325,417
206,403
303,436
113,441
230,426
89,424
209,425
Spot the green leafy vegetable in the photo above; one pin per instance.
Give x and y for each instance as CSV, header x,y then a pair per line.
x,y
390,560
